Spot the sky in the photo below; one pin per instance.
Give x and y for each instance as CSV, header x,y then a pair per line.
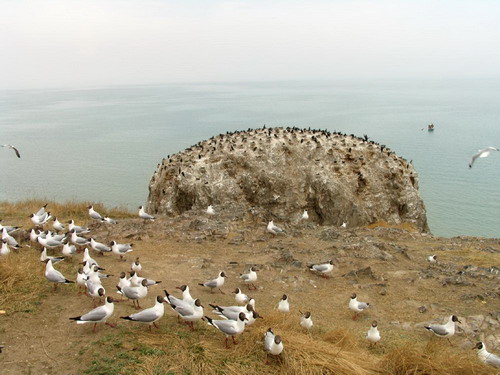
x,y
72,43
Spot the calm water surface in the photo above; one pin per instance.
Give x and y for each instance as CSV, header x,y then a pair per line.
x,y
104,144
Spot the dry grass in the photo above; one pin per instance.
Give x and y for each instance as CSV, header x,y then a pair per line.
x,y
18,212
409,227
20,286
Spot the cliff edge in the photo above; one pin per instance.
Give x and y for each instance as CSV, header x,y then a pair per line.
x,y
279,172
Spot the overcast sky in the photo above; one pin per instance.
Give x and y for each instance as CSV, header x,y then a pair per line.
x,y
71,43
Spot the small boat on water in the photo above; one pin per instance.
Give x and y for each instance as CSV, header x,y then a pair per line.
x,y
430,127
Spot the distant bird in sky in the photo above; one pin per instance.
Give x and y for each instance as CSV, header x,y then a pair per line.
x,y
482,154
15,150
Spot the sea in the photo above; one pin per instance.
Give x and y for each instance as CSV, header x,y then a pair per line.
x,y
103,144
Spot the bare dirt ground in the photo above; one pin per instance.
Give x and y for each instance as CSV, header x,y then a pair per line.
x,y
386,267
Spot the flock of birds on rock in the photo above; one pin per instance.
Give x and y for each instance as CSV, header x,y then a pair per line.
x,y
232,319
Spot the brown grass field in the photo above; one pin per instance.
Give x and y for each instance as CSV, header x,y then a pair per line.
x,y
40,339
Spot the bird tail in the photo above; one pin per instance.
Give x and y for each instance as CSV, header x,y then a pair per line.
x,y
167,294
215,307
119,288
201,284
428,328
209,320
75,318
68,281
126,317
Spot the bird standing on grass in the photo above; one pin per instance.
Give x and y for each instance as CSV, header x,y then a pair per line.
x,y
357,306
230,328
323,268
55,276
272,343
215,283
250,277
444,330
98,315
144,215
487,357
149,316
283,304
373,335
306,320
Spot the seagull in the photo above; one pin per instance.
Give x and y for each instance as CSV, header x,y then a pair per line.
x,y
231,313
144,215
272,343
87,258
323,268
305,215
215,283
432,259
98,315
373,335
344,225
149,316
68,250
34,235
186,295
94,214
121,249
9,229
100,247
7,237
15,150
4,250
357,306
273,229
250,277
40,220
136,266
283,304
135,293
49,242
55,276
210,210
80,241
135,279
44,258
123,282
444,330
41,211
57,225
76,228
230,328
306,321
240,297
189,313
487,357
109,220
482,154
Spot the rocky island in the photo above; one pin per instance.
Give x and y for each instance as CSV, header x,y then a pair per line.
x,y
276,173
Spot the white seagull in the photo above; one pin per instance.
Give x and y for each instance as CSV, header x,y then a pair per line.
x,y
136,266
215,283
55,276
487,357
306,320
230,328
77,240
4,250
98,315
149,316
273,229
109,220
482,154
250,277
10,240
190,313
444,330
344,225
373,335
44,258
13,148
78,229
100,247
210,210
283,304
94,214
240,297
432,259
357,306
272,343
144,215
57,225
135,293
323,268
305,215
121,249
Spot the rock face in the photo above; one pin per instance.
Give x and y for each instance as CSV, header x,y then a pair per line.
x,y
279,172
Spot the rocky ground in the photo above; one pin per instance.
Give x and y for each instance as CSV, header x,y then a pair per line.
x,y
384,265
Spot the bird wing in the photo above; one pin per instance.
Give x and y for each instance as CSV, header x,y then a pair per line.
x,y
493,360
320,267
362,305
226,326
145,316
245,276
474,159
55,276
95,315
183,309
17,152
485,153
131,292
438,329
211,283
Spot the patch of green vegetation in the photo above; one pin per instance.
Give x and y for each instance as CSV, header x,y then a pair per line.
x,y
147,350
114,365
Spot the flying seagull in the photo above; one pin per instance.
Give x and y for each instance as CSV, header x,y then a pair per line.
x,y
15,150
482,154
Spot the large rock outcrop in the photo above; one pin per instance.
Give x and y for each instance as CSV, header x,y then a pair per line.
x,y
279,172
